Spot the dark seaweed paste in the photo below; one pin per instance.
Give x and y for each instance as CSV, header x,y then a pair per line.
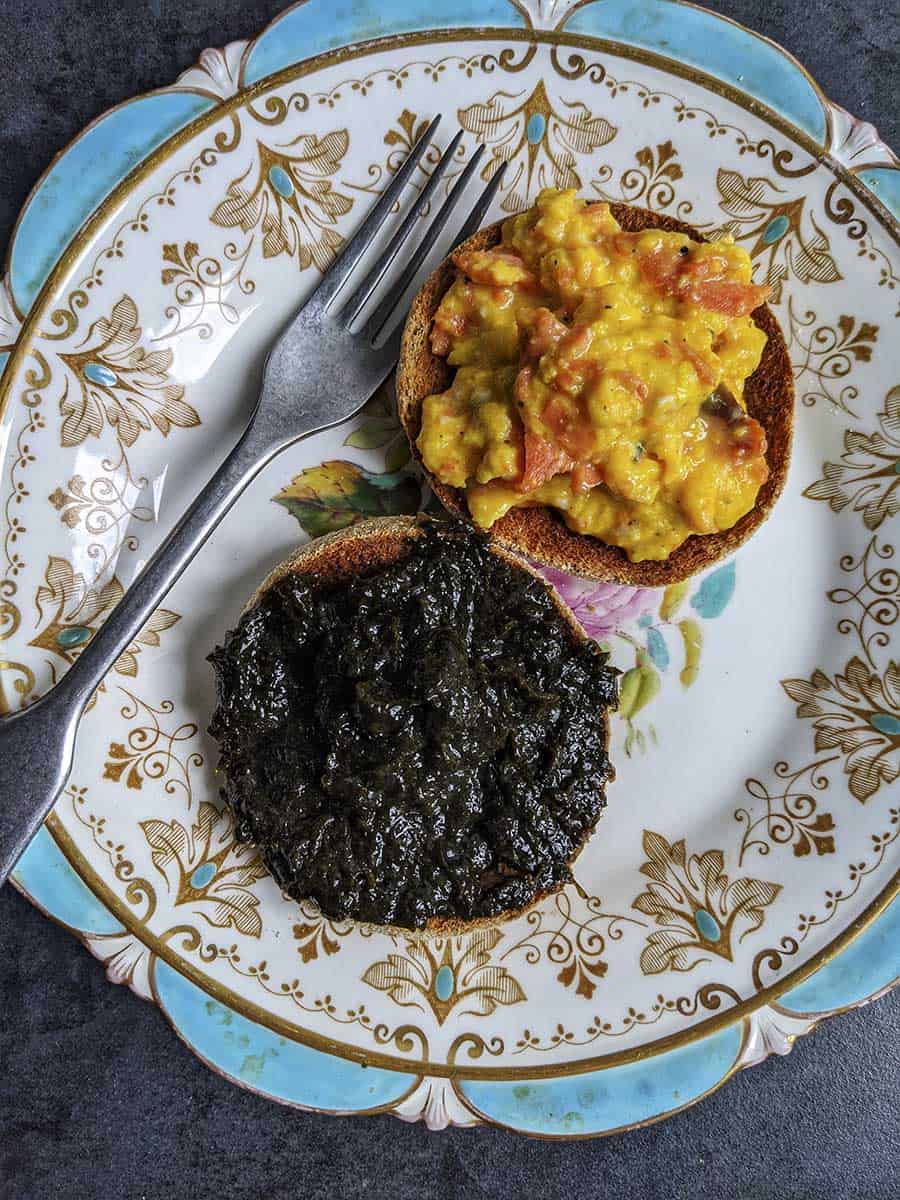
x,y
425,741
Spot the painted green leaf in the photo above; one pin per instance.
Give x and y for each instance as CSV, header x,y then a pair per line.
x,y
636,690
381,429
382,406
629,686
672,598
371,434
692,637
337,494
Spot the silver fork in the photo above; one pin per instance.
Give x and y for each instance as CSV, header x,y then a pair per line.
x,y
318,373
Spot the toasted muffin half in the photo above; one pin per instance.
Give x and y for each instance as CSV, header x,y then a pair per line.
x,y
541,533
365,548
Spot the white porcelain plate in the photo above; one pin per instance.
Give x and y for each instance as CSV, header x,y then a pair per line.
x,y
754,826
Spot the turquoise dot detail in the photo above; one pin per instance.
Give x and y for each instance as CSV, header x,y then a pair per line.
x,y
73,636
444,983
707,925
97,373
885,723
897,467
203,874
776,229
281,181
534,130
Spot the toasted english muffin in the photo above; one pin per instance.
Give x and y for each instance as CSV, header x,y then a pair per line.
x,y
540,533
363,549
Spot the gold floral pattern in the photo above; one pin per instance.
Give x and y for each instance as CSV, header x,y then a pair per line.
x,y
858,871
785,237
856,711
111,378
445,972
150,752
399,141
791,815
20,678
288,194
72,609
697,906
868,475
772,957
824,355
764,148
317,934
873,598
205,867
401,138
849,715
202,284
541,144
405,1038
102,504
37,377
650,183
571,931
139,892
65,320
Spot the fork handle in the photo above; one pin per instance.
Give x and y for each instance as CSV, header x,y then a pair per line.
x,y
36,744
240,467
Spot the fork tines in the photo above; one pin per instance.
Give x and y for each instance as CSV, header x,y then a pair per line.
x,y
356,247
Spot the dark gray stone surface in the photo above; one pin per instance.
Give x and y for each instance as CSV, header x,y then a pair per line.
x,y
100,1101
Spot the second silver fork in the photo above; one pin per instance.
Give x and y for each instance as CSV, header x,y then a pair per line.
x,y
317,374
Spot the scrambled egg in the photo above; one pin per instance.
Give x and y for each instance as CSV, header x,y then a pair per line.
x,y
600,373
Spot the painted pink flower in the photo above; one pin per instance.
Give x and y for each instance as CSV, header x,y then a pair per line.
x,y
601,608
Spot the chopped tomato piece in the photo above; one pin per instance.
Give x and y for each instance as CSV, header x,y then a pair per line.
x,y
712,267
573,364
494,267
700,365
543,460
450,322
571,429
728,297
700,282
634,383
748,439
578,341
557,412
547,331
522,386
623,243
585,476
578,440
598,218
662,267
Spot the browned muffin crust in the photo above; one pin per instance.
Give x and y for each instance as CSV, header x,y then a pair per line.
x,y
540,533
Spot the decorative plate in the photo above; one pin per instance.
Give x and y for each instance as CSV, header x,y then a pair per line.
x,y
740,885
